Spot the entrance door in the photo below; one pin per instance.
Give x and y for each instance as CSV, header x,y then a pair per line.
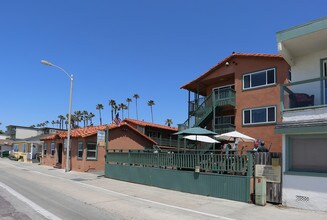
x,y
59,153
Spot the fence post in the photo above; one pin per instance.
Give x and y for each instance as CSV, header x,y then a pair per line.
x,y
250,163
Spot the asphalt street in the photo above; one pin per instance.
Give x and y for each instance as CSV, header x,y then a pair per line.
x,y
31,191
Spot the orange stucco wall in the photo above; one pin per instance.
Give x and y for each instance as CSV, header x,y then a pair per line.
x,y
119,138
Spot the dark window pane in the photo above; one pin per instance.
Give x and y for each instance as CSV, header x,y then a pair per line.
x,y
91,154
247,117
246,81
259,115
80,154
271,114
258,79
271,77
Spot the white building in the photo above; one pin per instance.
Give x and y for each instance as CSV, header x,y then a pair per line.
x,y
21,132
304,115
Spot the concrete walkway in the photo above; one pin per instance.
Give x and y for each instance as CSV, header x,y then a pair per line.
x,y
201,207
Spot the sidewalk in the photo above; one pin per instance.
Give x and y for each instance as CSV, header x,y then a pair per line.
x,y
209,206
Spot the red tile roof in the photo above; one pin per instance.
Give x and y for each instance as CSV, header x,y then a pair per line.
x,y
230,57
89,131
148,124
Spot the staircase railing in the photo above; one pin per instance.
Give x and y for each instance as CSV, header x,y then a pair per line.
x,y
217,98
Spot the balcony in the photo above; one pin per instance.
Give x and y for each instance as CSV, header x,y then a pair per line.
x,y
224,128
199,116
304,100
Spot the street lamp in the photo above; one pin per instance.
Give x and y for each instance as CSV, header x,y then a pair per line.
x,y
71,77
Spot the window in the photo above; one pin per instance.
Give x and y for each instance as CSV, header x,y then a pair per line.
x,y
15,148
307,154
259,79
91,151
80,151
24,148
52,149
259,115
45,148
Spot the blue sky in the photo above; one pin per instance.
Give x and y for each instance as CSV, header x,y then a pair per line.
x,y
118,48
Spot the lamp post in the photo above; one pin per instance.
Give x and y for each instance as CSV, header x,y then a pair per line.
x,y
71,77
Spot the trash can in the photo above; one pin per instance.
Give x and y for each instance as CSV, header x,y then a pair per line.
x,y
260,190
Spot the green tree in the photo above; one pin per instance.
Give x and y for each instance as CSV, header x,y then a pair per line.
x,y
128,100
84,117
112,104
91,115
136,97
169,122
151,103
122,107
99,107
61,119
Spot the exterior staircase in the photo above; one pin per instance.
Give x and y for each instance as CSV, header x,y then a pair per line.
x,y
201,115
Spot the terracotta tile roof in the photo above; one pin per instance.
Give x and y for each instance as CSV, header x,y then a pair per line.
x,y
148,124
89,131
230,57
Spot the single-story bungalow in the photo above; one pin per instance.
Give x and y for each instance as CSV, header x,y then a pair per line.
x,y
86,154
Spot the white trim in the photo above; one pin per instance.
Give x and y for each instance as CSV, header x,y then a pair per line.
x,y
260,71
258,123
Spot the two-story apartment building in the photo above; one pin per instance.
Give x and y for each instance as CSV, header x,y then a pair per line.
x,y
16,132
304,115
240,93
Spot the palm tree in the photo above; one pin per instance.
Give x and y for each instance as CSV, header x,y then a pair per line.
x,y
62,119
128,100
169,122
112,103
151,103
122,107
136,96
46,123
58,124
91,115
99,107
53,122
85,114
77,117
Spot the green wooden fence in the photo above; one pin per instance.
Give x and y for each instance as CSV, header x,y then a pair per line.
x,y
214,174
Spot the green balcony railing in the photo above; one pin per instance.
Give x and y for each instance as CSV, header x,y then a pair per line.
x,y
223,97
304,94
224,128
237,162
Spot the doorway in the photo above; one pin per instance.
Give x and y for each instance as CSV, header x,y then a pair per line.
x,y
59,153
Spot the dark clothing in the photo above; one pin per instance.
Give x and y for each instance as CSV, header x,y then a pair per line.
x,y
263,149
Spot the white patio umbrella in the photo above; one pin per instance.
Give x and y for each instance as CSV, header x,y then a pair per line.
x,y
232,136
201,138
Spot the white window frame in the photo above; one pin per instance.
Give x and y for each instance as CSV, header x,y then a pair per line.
x,y
253,73
80,150
258,123
52,148
45,149
96,151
